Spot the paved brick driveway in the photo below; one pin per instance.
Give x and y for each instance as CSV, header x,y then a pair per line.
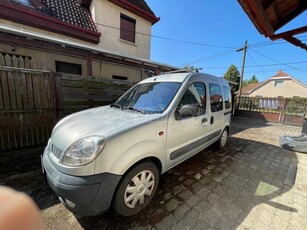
x,y
252,184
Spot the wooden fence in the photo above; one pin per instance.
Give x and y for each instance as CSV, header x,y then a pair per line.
x,y
27,107
283,110
77,92
31,102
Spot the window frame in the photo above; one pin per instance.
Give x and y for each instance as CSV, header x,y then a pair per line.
x,y
221,103
68,64
120,78
126,34
229,103
203,102
278,83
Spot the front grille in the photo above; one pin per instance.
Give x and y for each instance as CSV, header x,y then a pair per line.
x,y
56,151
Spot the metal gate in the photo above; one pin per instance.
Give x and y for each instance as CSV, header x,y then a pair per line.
x,y
27,107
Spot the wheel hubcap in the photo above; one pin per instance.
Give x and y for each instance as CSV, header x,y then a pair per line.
x,y
224,138
140,187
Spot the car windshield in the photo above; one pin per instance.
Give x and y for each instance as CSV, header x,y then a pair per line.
x,y
151,97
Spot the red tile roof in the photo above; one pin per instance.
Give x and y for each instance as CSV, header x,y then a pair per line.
x,y
246,89
280,74
70,11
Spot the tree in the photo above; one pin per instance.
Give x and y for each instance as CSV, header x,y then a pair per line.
x,y
233,74
253,79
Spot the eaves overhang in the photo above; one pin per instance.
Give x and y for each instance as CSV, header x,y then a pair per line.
x,y
268,16
136,10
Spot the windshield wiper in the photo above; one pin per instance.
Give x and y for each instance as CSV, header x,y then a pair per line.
x,y
134,109
116,105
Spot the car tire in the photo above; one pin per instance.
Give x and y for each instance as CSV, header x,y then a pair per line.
x,y
136,189
222,141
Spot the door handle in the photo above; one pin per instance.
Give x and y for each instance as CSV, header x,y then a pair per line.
x,y
211,120
204,120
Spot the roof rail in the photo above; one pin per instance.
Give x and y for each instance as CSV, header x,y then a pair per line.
x,y
184,70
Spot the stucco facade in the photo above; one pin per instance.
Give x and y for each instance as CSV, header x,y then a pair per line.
x,y
45,60
106,15
284,86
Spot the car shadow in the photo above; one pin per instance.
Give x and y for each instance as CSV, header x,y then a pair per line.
x,y
23,172
214,188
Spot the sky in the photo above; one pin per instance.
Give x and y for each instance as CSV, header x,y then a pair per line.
x,y
207,33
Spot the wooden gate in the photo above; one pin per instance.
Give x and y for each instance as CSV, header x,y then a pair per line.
x,y
27,107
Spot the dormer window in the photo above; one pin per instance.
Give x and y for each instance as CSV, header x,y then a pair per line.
x,y
127,28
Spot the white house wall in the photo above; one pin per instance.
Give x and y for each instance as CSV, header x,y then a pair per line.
x,y
289,89
106,15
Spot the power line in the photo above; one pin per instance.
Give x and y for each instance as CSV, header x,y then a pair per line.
x,y
256,64
269,71
209,57
275,42
169,39
277,61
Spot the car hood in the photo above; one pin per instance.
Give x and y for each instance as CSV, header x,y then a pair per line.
x,y
98,121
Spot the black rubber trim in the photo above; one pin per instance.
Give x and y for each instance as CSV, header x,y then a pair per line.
x,y
226,113
179,152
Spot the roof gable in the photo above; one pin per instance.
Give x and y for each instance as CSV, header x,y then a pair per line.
x,y
138,7
279,76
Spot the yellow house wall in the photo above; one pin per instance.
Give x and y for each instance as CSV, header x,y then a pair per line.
x,y
107,70
43,60
107,18
289,88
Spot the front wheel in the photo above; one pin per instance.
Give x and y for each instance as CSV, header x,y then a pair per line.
x,y
223,139
136,189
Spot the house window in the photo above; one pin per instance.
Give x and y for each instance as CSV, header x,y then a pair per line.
x,y
127,28
116,77
65,67
278,83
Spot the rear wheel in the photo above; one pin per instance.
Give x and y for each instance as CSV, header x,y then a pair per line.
x,y
223,139
136,189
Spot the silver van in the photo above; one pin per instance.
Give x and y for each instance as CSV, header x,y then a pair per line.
x,y
113,155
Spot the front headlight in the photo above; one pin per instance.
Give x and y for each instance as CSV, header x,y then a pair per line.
x,y
83,151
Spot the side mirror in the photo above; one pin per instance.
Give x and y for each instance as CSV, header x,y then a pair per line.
x,y
189,110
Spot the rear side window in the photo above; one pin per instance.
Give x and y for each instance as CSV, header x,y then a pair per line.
x,y
216,98
227,97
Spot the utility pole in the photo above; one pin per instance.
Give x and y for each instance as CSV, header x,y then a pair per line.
x,y
242,71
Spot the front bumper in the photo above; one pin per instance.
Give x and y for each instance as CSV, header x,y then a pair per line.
x,y
82,195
